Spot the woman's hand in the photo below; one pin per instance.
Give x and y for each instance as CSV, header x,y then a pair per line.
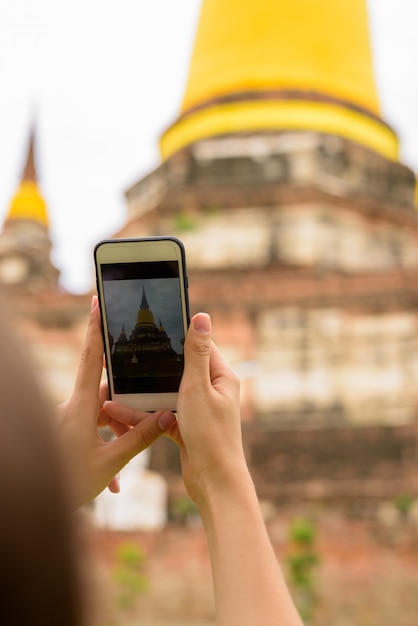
x,y
248,584
208,428
94,463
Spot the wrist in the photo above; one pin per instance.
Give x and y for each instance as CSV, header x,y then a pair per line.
x,y
232,488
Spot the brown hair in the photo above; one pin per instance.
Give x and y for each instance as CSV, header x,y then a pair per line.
x,y
39,580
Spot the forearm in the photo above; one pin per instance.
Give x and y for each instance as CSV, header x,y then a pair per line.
x,y
248,583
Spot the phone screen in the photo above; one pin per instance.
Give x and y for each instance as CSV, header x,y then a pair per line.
x,y
145,325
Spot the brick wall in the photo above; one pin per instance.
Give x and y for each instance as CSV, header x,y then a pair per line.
x,y
343,464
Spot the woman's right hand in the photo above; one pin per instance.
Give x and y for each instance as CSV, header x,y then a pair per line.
x,y
208,428
248,584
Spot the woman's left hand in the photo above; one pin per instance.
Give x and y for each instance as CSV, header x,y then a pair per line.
x,y
94,463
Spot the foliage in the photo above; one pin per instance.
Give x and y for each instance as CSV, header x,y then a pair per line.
x,y
302,531
183,509
403,503
183,221
129,573
302,563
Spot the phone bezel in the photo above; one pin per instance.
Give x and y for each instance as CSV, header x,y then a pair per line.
x,y
140,250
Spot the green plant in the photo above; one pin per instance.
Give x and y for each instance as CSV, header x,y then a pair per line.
x,y
183,221
403,503
183,509
129,573
302,531
302,563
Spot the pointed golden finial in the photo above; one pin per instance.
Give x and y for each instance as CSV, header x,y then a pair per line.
x,y
29,171
28,203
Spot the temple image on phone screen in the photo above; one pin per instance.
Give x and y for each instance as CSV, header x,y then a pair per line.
x,y
145,325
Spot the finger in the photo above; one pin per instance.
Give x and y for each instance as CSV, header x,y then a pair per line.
x,y
103,392
90,368
104,420
197,351
114,485
118,428
124,414
174,433
219,368
121,450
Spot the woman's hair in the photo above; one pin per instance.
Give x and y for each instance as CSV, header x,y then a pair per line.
x,y
39,580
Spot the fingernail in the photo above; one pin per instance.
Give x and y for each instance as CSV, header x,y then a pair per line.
x,y
165,420
94,301
201,323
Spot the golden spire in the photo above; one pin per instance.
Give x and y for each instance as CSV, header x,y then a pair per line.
x,y
28,203
145,316
261,65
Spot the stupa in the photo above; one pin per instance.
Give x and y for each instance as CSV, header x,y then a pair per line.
x,y
285,185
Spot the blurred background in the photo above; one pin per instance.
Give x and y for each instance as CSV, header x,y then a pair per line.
x,y
278,142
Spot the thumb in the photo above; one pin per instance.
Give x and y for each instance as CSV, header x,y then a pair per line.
x,y
122,449
91,363
197,349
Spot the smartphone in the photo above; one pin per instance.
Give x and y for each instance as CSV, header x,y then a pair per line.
x,y
142,288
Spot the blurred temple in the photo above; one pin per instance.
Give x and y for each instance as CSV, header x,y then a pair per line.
x,y
284,183
50,321
301,236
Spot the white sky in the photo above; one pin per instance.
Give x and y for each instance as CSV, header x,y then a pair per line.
x,y
104,78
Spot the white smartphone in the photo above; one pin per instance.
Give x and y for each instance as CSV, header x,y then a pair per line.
x,y
142,288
